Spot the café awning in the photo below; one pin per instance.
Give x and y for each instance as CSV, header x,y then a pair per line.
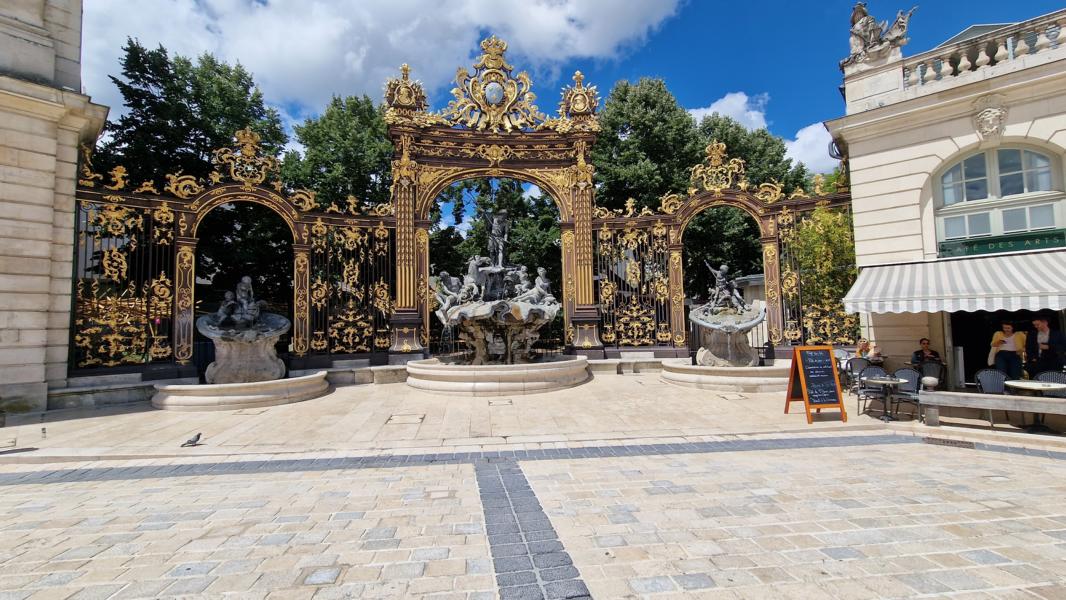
x,y
1006,282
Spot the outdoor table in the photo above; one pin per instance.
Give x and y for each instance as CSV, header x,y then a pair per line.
x,y
1037,388
888,384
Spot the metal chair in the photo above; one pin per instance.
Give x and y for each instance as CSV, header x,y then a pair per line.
x,y
990,381
1053,377
907,392
864,392
852,368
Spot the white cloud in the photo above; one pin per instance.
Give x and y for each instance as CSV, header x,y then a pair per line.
x,y
302,52
811,147
749,111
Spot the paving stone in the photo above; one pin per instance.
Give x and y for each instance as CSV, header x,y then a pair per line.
x,y
193,569
651,585
516,578
430,554
324,576
523,592
403,570
694,581
565,589
512,564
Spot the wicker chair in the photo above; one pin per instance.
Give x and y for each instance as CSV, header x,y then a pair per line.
x,y
864,392
907,392
990,381
852,368
1053,377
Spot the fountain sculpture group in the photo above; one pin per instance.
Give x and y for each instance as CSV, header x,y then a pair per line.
x,y
724,323
495,306
726,361
246,371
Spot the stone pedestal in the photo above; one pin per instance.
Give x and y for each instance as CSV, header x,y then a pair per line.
x,y
239,361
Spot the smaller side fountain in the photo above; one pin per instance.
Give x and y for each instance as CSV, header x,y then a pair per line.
x,y
724,324
726,361
498,312
246,371
244,338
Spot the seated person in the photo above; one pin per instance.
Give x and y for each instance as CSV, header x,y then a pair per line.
x,y
863,348
874,355
925,353
1045,348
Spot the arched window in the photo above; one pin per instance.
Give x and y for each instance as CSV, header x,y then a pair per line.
x,y
1001,191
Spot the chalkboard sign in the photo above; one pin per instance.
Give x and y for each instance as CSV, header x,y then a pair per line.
x,y
813,379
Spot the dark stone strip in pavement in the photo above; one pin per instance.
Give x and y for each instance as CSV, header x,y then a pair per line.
x,y
527,556
380,462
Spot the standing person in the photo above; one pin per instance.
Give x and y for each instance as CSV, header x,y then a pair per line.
x,y
1044,348
924,353
1007,349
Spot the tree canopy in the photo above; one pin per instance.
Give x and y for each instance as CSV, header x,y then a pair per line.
x,y
179,111
346,152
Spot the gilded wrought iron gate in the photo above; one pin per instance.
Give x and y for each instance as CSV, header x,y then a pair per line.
x,y
134,301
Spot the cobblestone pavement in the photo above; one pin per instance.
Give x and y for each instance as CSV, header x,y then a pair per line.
x,y
817,516
364,418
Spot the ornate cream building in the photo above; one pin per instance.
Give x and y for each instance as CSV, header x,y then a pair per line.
x,y
956,161
43,118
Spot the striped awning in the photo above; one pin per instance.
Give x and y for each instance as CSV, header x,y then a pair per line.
x,y
1006,282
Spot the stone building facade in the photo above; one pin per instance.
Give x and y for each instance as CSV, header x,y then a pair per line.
x,y
44,118
957,154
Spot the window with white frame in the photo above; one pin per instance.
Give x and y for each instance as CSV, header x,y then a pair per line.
x,y
1000,191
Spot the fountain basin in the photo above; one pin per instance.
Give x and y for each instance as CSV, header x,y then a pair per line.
x,y
433,375
235,396
681,371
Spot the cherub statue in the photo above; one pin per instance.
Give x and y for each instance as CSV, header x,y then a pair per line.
x,y
523,284
447,290
725,293
224,314
541,291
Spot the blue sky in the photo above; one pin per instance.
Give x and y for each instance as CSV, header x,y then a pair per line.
x,y
771,62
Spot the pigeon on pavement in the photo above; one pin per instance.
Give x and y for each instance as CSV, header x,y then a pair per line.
x,y
193,441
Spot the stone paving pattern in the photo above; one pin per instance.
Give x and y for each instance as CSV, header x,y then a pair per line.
x,y
876,521
389,416
370,533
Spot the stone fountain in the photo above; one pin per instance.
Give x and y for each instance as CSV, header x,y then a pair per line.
x,y
498,312
246,371
726,361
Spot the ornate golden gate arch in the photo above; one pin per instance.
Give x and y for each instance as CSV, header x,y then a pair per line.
x,y
650,312
491,129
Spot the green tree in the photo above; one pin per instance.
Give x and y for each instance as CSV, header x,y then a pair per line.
x,y
729,235
346,152
824,247
763,152
179,111
646,147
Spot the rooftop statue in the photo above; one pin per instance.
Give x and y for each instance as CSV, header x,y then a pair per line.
x,y
870,39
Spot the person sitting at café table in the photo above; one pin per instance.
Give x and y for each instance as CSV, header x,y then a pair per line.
x,y
1007,348
925,353
874,355
1044,348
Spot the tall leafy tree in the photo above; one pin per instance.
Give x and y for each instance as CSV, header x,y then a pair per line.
x,y
179,111
346,152
646,146
730,235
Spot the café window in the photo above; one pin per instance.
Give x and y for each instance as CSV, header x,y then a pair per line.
x,y
1001,191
